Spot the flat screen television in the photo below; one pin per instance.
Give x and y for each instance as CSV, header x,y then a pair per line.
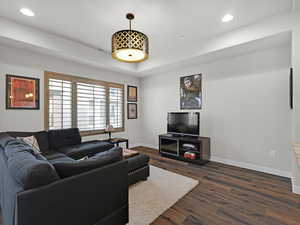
x,y
184,123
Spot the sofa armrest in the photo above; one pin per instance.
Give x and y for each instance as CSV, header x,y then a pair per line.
x,y
83,199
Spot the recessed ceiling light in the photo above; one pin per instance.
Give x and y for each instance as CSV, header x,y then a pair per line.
x,y
27,12
227,18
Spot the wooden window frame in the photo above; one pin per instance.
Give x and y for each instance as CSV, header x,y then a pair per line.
x,y
75,79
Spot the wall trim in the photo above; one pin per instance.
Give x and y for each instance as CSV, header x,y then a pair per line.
x,y
250,166
296,189
145,145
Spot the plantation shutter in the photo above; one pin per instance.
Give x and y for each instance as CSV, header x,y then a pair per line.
x,y
116,98
91,107
87,104
60,104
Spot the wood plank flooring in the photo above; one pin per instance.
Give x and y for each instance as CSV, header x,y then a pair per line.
x,y
228,195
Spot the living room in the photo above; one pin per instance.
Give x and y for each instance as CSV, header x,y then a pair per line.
x,y
227,68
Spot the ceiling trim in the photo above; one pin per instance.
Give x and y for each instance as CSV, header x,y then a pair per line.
x,y
46,43
266,28
58,46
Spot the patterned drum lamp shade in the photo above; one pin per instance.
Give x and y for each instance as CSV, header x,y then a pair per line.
x,y
130,45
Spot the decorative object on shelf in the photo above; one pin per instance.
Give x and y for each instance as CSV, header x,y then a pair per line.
x,y
131,110
109,129
22,92
130,45
191,92
189,155
131,93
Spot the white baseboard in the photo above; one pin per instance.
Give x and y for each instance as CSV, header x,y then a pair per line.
x,y
145,145
252,167
296,189
239,164
133,145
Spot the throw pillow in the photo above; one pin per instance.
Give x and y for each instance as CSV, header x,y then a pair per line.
x,y
32,142
84,158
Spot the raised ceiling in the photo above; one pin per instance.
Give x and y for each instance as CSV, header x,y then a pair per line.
x,y
174,27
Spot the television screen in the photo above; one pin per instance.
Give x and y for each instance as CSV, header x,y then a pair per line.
x,y
184,123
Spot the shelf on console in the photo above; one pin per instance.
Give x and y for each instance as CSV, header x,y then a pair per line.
x,y
202,147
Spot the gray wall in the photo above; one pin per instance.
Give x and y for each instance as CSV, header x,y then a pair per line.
x,y
25,63
245,108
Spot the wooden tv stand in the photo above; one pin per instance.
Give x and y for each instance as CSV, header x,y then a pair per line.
x,y
173,146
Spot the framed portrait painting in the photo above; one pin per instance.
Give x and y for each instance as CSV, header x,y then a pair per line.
x,y
131,93
131,110
191,92
22,92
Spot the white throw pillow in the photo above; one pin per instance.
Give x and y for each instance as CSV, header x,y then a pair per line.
x,y
84,158
32,142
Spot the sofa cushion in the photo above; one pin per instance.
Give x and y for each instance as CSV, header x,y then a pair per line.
x,y
56,157
8,191
64,137
88,148
27,167
67,169
41,137
137,162
4,137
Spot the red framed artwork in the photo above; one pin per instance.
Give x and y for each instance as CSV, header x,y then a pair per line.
x,y
22,92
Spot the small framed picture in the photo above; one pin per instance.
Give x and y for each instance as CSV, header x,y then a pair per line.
x,y
131,110
131,93
22,92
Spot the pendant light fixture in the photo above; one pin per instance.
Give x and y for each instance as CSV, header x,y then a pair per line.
x,y
130,45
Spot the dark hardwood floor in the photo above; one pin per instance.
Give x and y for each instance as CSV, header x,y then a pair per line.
x,y
228,195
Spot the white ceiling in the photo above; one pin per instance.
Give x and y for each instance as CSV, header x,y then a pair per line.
x,y
92,22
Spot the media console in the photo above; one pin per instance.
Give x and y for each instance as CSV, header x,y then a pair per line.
x,y
193,149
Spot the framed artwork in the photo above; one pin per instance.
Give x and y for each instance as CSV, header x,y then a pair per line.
x,y
191,92
22,92
131,93
131,110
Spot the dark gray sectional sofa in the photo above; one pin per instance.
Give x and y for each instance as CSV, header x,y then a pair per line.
x,y
56,187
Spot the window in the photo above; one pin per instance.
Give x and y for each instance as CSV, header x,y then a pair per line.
x,y
60,103
87,104
116,106
91,107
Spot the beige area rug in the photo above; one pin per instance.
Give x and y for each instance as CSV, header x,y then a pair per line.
x,y
149,199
